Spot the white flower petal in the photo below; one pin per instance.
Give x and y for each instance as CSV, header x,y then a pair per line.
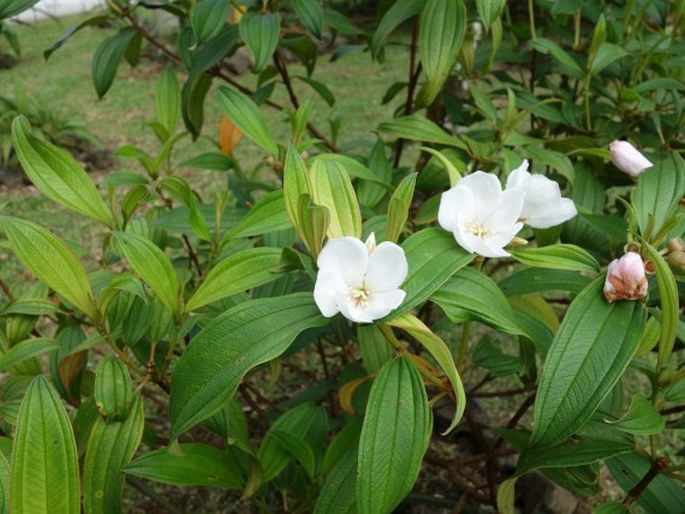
x,y
387,268
488,248
348,256
328,283
455,204
503,237
506,212
484,187
350,310
560,212
519,176
627,158
381,304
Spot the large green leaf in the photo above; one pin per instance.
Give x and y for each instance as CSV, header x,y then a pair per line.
x,y
393,18
395,435
433,257
242,111
559,256
192,464
535,280
249,334
441,353
337,495
658,193
57,175
398,207
236,273
110,447
592,348
168,101
153,266
310,13
107,58
27,349
207,17
419,128
44,472
260,33
4,485
51,261
268,215
11,8
441,33
471,294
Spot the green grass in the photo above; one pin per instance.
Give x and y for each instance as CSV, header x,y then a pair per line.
x,y
63,85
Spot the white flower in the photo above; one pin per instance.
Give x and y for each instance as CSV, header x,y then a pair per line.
x,y
360,280
482,217
626,278
628,159
543,207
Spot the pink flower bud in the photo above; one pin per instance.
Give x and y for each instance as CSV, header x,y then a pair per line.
x,y
628,159
626,278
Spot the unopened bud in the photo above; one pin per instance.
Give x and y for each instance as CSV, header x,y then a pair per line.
x,y
676,244
628,159
626,278
676,260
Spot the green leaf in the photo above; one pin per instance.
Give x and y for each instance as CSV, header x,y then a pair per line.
x,y
210,161
268,215
398,208
453,174
441,353
113,389
153,266
471,294
4,485
295,184
393,18
433,257
555,160
111,446
107,58
535,280
337,495
353,168
193,464
315,220
670,304
44,472
310,14
559,256
193,96
207,17
260,33
29,306
321,89
57,175
298,448
658,193
238,272
607,54
506,494
545,46
663,494
590,352
51,261
73,29
395,435
371,194
374,347
489,11
641,418
441,33
169,99
249,334
332,188
242,111
10,8
28,349
416,127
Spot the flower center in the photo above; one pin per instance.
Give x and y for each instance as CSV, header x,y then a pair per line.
x,y
478,229
360,296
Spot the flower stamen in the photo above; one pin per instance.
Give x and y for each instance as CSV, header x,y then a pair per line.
x,y
360,296
478,229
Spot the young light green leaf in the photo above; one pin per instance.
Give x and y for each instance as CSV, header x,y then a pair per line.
x,y
57,175
441,353
433,257
113,389
393,18
398,208
44,473
111,446
193,464
452,172
208,373
207,17
641,418
395,435
559,256
590,352
315,220
242,111
236,273
441,33
168,100
260,33
490,11
107,58
28,349
310,13
332,188
51,261
153,266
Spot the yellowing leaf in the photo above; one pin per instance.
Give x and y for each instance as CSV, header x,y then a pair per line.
x,y
229,136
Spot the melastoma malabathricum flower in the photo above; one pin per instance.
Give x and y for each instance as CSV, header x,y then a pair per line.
x,y
543,206
626,278
360,280
482,217
628,159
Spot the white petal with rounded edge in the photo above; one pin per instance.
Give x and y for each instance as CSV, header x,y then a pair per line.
x,y
328,283
455,204
381,304
346,255
387,268
519,176
563,210
507,211
484,187
350,310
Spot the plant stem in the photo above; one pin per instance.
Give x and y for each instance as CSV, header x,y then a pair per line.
x,y
637,490
531,19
